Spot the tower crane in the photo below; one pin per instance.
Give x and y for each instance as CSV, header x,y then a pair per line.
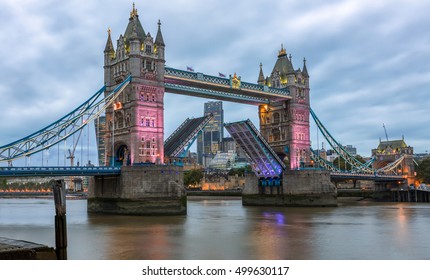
x,y
385,129
71,155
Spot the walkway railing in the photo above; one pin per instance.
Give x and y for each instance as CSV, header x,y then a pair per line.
x,y
58,171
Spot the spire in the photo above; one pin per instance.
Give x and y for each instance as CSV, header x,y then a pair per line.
x,y
283,65
282,52
109,46
159,38
134,28
261,75
133,12
305,70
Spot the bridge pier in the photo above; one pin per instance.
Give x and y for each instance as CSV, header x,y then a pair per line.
x,y
139,190
299,188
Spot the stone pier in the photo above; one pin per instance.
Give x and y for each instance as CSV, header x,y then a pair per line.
x,y
139,190
308,188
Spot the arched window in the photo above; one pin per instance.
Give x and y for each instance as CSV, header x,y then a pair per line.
x,y
120,120
276,117
276,134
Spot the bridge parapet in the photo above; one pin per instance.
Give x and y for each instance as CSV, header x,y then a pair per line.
x,y
58,171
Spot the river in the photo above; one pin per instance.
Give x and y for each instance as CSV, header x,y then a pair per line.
x,y
221,228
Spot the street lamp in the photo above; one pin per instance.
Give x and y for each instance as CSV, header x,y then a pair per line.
x,y
113,136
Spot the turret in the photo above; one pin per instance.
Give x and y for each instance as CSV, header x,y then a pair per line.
x,y
261,80
109,54
159,48
159,42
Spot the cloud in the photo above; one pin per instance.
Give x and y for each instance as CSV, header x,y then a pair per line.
x,y
368,60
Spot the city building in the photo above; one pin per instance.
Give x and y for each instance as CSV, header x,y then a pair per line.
x,y
209,140
351,150
389,152
100,127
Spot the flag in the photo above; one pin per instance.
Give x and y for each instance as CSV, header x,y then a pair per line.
x,y
221,75
190,69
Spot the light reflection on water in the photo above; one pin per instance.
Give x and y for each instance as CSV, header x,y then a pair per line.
x,y
221,228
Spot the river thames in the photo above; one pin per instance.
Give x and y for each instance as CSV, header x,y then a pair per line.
x,y
221,228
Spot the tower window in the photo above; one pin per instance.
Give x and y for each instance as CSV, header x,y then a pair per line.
x,y
148,49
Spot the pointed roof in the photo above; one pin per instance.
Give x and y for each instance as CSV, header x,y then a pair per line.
x,y
394,144
109,46
305,70
283,65
261,79
134,28
159,38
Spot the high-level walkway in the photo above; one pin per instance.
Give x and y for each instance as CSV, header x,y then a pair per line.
x,y
232,89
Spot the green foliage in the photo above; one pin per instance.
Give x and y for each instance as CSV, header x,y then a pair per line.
x,y
30,186
240,171
340,162
423,171
193,177
3,184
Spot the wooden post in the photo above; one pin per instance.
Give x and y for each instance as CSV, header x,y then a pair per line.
x,y
60,220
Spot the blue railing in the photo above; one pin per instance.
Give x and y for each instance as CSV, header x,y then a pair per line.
x,y
58,171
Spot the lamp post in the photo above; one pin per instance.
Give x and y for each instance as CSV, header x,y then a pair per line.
x,y
113,135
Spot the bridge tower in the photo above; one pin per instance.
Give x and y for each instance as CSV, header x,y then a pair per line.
x,y
285,124
135,125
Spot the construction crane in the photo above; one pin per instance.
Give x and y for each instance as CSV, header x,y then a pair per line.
x,y
386,135
72,152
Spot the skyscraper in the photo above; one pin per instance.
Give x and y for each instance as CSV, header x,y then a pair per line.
x,y
209,141
100,127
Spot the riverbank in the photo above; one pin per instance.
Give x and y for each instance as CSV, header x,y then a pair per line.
x,y
47,195
214,193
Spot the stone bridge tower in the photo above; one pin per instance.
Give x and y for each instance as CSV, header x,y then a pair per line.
x,y
134,125
285,124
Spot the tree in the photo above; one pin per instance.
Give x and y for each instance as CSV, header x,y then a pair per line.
x,y
240,171
193,177
423,171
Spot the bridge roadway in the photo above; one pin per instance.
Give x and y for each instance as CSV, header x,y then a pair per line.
x,y
366,177
58,171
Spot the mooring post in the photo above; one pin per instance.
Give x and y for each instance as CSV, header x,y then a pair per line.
x,y
60,220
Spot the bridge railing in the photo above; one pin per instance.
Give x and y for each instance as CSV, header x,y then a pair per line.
x,y
58,170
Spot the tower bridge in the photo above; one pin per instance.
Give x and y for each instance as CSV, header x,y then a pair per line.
x,y
132,99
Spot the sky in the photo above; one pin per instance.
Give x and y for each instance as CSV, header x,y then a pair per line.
x,y
368,61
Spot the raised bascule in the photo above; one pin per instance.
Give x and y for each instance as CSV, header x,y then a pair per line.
x,y
141,179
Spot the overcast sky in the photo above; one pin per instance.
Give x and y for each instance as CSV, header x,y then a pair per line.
x,y
369,61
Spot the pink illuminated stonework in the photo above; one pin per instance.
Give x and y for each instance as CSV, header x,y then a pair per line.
x,y
135,125
285,124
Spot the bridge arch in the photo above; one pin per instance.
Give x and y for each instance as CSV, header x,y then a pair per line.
x,y
122,155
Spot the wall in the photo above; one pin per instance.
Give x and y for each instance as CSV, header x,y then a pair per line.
x,y
139,190
299,188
